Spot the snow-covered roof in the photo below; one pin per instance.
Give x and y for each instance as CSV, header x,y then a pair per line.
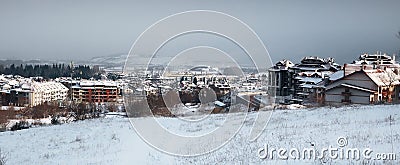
x,y
6,86
76,87
314,80
337,75
284,64
219,103
307,86
383,78
13,82
4,91
20,90
98,83
87,83
109,83
48,86
315,74
25,86
358,88
2,78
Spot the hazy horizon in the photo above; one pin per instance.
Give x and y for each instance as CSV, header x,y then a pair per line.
x,y
80,30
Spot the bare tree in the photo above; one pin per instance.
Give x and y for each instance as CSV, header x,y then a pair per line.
x,y
112,107
391,77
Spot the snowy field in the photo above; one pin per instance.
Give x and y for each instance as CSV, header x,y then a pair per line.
x,y
114,141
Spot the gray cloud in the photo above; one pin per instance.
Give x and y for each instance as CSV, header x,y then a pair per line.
x,y
72,30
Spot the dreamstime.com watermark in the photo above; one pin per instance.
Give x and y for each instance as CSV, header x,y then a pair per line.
x,y
339,152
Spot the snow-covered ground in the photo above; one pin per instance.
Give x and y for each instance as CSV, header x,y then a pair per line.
x,y
114,141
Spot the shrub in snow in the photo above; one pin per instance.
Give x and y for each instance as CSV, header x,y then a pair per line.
x,y
3,157
14,125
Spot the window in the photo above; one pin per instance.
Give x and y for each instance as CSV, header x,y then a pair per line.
x,y
347,90
346,96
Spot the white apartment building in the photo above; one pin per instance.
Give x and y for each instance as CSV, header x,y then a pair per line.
x,y
47,92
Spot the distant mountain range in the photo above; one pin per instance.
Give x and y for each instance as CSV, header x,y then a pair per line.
x,y
111,60
118,61
105,61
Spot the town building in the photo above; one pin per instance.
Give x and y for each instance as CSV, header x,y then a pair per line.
x,y
296,83
378,58
46,92
28,93
370,62
311,71
364,87
373,78
96,91
316,64
280,78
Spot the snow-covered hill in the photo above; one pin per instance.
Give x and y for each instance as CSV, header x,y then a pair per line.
x,y
118,60
114,141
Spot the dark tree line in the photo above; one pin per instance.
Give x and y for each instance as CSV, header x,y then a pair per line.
x,y
50,71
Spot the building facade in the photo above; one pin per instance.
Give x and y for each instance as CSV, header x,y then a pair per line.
x,y
96,91
31,93
280,78
301,82
364,87
47,92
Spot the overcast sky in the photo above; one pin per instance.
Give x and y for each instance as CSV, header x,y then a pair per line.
x,y
81,29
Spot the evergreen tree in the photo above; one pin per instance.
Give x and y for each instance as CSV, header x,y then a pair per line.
x,y
50,71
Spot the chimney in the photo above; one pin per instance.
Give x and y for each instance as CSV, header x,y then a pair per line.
x,y
326,79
